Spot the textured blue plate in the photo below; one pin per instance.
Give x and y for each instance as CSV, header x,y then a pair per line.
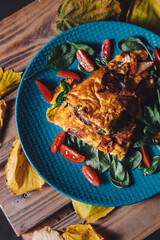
x,y
36,133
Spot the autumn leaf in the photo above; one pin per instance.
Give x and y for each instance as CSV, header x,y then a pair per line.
x,y
3,106
145,13
90,212
72,13
20,175
46,233
9,80
81,231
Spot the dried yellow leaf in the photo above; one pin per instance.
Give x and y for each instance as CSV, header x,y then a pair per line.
x,y
20,175
90,212
9,80
3,106
81,232
46,233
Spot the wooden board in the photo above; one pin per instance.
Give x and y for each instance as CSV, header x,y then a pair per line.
x,y
22,35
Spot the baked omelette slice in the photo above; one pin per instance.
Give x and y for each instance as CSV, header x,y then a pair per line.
x,y
101,111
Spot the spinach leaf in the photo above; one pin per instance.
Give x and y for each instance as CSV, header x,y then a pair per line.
x,y
152,128
98,160
153,169
75,143
132,44
61,57
101,132
133,159
118,176
144,140
157,108
84,47
148,116
100,62
80,68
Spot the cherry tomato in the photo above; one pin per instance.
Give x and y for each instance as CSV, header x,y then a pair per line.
x,y
74,84
91,175
157,57
84,60
106,49
146,157
155,135
71,154
45,92
68,74
57,142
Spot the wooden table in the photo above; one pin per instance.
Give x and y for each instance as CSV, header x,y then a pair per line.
x,y
22,35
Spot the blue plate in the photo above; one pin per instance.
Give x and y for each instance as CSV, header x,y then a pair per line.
x,y
36,133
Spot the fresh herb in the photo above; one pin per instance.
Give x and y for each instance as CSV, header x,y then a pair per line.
x,y
101,132
100,62
132,159
75,143
59,58
80,68
84,47
153,169
118,176
144,140
132,44
98,160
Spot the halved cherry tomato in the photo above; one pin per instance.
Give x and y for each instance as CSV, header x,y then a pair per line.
x,y
146,156
71,154
155,135
74,84
45,92
57,142
91,175
68,74
156,57
106,49
84,60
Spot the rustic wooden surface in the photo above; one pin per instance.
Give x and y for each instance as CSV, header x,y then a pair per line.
x,y
21,36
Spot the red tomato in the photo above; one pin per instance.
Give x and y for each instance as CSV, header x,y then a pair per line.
x,y
91,175
146,157
157,57
57,142
45,92
74,84
155,135
106,49
68,74
71,154
84,60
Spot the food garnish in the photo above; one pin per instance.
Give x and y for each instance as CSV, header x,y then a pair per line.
x,y
84,60
146,156
156,57
68,74
106,49
91,175
71,155
57,142
45,92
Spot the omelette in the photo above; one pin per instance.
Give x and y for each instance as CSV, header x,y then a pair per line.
x,y
102,110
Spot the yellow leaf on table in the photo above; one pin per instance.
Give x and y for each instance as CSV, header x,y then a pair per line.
x,y
46,233
9,80
3,106
81,232
20,175
90,212
145,13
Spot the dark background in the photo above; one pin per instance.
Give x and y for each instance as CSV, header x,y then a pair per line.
x,y
7,7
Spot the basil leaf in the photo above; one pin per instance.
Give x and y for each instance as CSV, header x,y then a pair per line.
x,y
80,68
98,160
75,142
132,44
100,62
118,176
133,159
61,57
154,168
84,47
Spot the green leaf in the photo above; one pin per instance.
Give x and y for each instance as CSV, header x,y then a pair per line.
x,y
149,117
154,168
75,142
118,176
157,111
133,159
144,140
61,57
98,160
151,128
100,62
80,68
72,13
84,47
